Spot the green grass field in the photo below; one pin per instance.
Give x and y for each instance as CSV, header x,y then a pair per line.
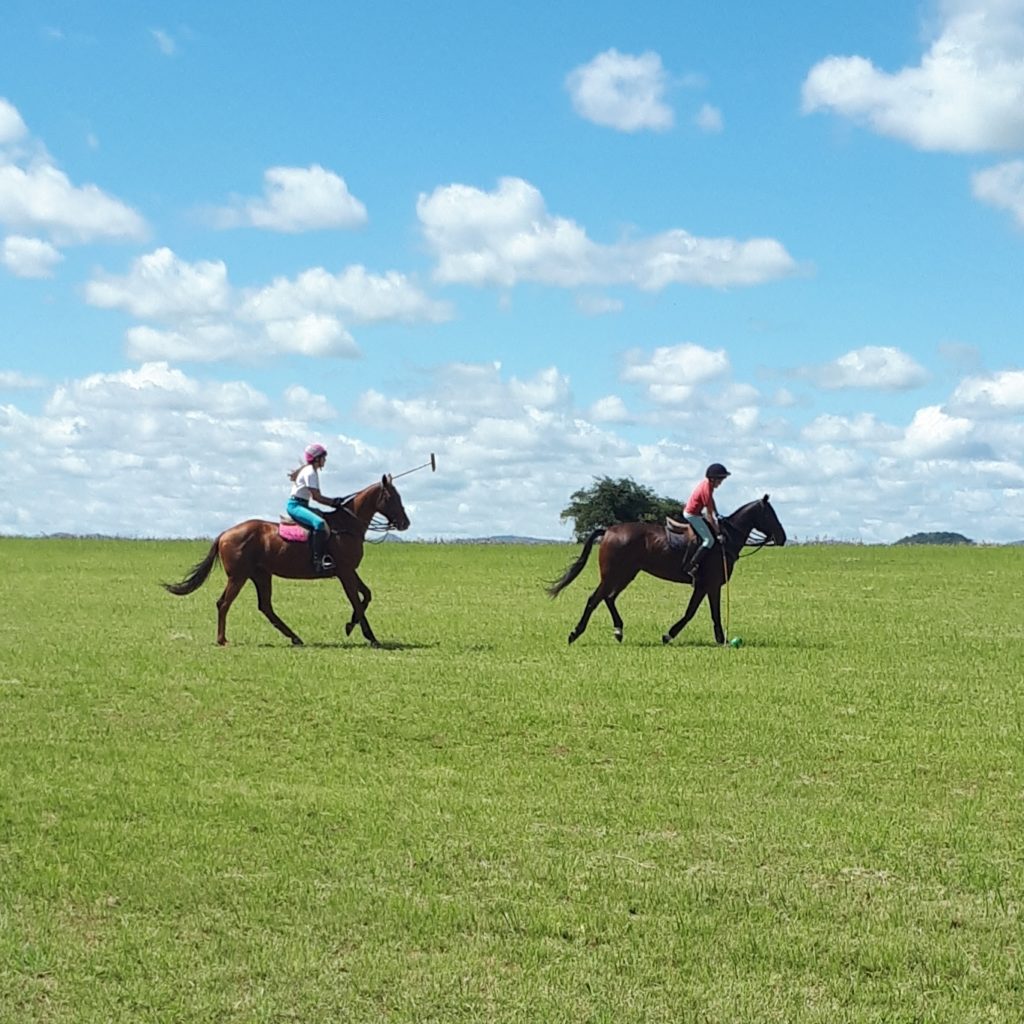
x,y
480,823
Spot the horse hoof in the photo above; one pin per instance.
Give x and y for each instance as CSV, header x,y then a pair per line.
x,y
665,638
296,642
572,637
349,626
618,635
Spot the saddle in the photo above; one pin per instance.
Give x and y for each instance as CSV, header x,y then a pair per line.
x,y
682,533
291,530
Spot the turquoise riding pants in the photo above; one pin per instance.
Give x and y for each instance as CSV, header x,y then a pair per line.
x,y
699,523
302,513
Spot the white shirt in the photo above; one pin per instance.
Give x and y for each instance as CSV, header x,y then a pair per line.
x,y
308,478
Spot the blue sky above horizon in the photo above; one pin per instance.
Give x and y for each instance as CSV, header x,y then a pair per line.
x,y
547,244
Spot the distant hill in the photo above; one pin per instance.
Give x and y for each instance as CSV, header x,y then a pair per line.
x,y
936,538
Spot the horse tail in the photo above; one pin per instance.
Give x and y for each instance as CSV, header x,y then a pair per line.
x,y
577,567
197,577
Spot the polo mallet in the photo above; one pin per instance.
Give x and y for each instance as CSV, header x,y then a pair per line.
x,y
432,464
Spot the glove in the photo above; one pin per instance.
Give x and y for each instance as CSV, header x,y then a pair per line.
x,y
338,502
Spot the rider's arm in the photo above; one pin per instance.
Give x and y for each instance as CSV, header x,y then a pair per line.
x,y
317,496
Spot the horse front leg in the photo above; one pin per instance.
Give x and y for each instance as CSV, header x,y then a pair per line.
x,y
365,597
715,604
691,609
349,581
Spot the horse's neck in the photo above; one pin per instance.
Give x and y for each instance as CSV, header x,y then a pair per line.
x,y
364,504
741,522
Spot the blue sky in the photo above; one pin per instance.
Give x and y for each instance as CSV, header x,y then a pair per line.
x,y
546,242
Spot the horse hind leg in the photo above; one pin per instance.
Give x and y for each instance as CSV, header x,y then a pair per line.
x,y
264,588
224,602
691,610
616,617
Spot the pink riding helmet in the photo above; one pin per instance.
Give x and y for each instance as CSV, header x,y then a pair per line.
x,y
313,452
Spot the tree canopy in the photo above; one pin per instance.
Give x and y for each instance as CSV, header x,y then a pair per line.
x,y
607,502
941,537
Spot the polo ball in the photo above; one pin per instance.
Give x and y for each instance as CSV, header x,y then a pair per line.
x,y
736,641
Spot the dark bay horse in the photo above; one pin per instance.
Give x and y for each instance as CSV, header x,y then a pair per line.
x,y
629,548
255,551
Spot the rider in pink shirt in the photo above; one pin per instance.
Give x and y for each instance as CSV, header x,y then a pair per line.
x,y
703,500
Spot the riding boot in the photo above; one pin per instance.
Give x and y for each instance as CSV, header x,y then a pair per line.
x,y
693,567
323,564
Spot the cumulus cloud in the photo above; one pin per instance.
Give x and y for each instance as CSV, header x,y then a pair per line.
x,y
512,449
307,405
991,395
965,95
874,366
609,409
859,428
29,257
12,127
622,91
37,197
161,285
507,236
296,199
354,292
672,373
709,119
202,318
15,380
933,433
1002,186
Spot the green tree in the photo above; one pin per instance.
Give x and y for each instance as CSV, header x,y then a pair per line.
x,y
609,501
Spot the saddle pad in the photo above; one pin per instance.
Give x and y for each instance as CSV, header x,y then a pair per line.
x,y
292,531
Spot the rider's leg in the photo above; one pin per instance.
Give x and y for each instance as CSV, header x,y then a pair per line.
x,y
707,543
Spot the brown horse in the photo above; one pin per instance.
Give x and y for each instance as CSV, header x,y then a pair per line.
x,y
629,548
255,551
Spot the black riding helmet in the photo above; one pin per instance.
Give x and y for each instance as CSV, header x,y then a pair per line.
x,y
716,471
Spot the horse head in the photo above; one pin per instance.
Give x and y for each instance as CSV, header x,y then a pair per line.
x,y
768,523
389,504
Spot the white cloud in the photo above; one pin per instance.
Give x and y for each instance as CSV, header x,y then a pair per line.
x,y
508,236
598,305
41,198
161,285
610,409
622,91
1002,186
15,380
307,405
859,428
297,199
993,395
933,433
709,119
966,95
37,197
873,366
671,373
12,127
193,341
314,334
29,257
510,452
365,297
164,41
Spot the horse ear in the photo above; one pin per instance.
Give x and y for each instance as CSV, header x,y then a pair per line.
x,y
386,479
765,499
